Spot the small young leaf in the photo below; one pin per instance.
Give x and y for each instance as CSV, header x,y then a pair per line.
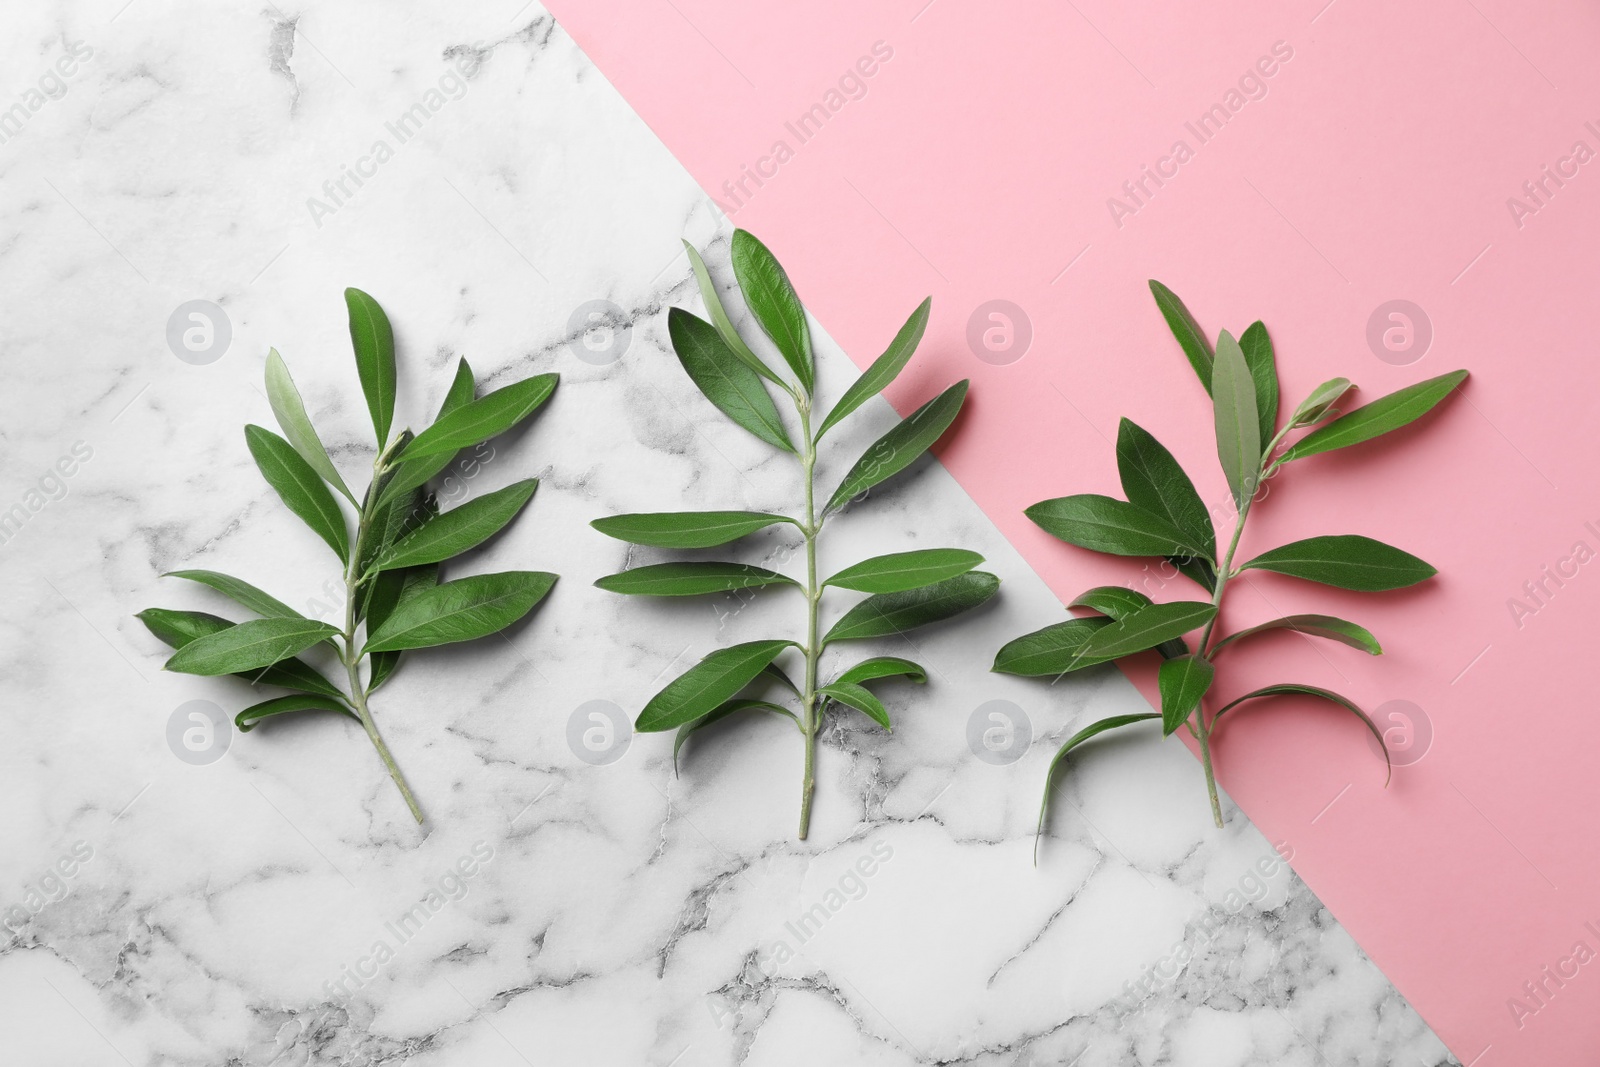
x,y
483,418
884,614
1314,408
722,711
290,411
719,318
1238,424
180,628
301,490
858,697
1379,417
1146,628
686,529
1183,681
1116,527
1347,561
775,304
897,449
462,610
1294,689
1153,480
707,684
249,645
1188,332
240,591
726,380
1052,650
414,473
373,340
882,667
459,529
883,370
905,570
691,579
1094,728
1335,629
251,717
1257,348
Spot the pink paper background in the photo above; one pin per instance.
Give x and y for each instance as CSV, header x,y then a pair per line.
x,y
978,166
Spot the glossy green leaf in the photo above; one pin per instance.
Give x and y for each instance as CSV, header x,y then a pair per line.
x,y
1146,628
179,628
1116,527
1199,571
290,411
414,473
478,420
1092,730
255,714
686,529
1238,424
394,588
1188,332
719,318
373,340
860,698
717,714
1117,602
1347,561
1050,651
455,531
905,570
884,614
707,684
240,591
462,610
1315,407
1379,417
734,388
1256,346
901,446
1153,480
300,488
883,370
1335,629
249,646
775,673
882,667
1295,689
1183,681
775,304
691,579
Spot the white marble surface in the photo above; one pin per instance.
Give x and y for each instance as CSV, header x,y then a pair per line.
x,y
623,916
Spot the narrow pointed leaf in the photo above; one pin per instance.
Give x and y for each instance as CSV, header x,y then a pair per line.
x,y
373,340
240,591
462,610
858,697
1347,561
1183,681
691,579
707,684
1118,602
255,714
726,381
483,418
882,667
1153,480
884,614
900,447
1050,651
905,570
290,411
249,646
300,488
775,304
1238,424
1116,527
883,370
1315,407
717,714
1379,417
180,628
459,529
1335,629
1188,332
1257,348
404,585
1092,730
1199,571
414,473
719,318
686,529
1295,689
1146,628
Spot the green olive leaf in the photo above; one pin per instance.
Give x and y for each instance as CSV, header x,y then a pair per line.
x,y
1190,336
1183,682
255,714
301,490
1295,689
455,531
884,369
707,684
1346,561
887,614
1237,421
1116,527
860,698
1334,629
726,381
717,714
1256,347
905,570
373,340
775,304
462,610
687,529
901,446
691,579
476,421
1379,417
719,318
1094,729
249,645
290,411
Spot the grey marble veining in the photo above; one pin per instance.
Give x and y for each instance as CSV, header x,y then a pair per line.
x,y
277,906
